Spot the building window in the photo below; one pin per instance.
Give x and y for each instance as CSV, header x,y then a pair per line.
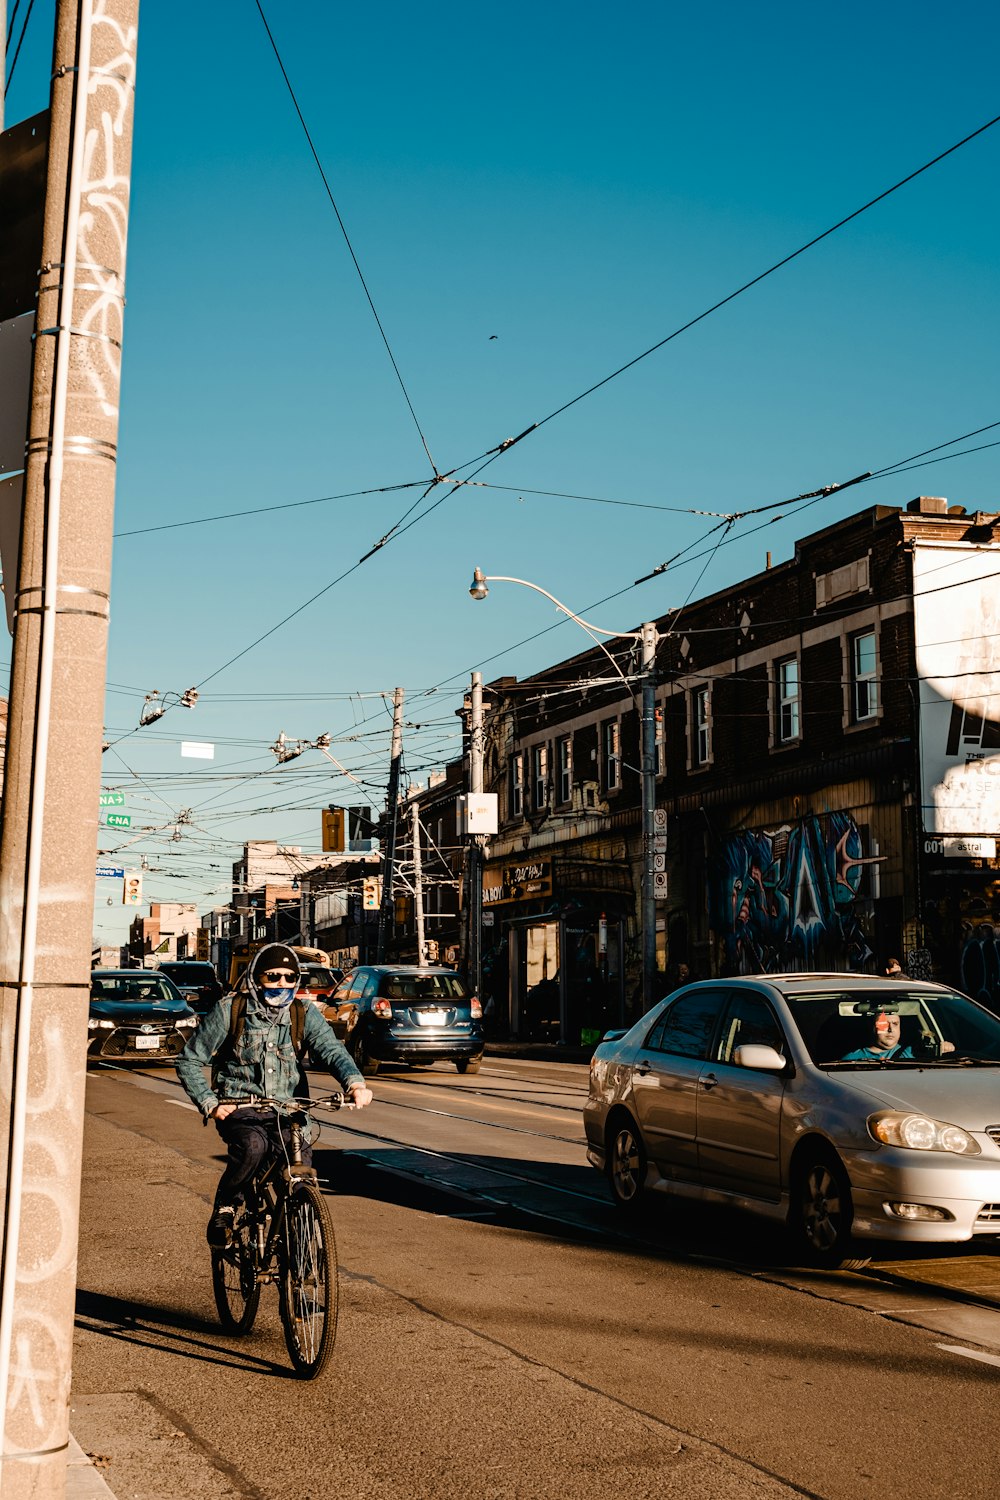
x,y
788,699
612,755
564,788
701,731
864,688
661,742
540,777
517,785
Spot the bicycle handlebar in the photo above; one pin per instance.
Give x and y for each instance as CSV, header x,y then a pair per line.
x,y
330,1101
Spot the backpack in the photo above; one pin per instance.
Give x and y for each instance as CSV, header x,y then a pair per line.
x,y
237,1020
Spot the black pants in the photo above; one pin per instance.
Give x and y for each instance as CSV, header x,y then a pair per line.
x,y
251,1136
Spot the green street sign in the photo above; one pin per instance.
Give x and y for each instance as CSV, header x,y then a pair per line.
x,y
112,799
118,820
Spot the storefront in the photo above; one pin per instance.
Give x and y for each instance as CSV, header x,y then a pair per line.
x,y
555,934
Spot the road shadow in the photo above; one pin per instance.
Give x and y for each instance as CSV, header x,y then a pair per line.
x,y
171,1330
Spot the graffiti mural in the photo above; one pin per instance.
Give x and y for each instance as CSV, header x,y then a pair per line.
x,y
786,899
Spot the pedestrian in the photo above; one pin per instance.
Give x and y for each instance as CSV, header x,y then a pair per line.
x,y
893,969
256,1042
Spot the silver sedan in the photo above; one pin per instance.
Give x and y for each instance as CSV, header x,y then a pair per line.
x,y
848,1107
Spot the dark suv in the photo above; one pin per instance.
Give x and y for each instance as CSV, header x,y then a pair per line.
x,y
197,982
411,1013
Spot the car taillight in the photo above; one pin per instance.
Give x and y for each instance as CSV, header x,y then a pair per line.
x,y
382,1009
476,1009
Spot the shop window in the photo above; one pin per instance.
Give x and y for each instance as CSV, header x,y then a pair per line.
x,y
864,684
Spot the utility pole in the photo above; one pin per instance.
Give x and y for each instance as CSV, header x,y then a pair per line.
x,y
648,772
475,903
418,884
386,909
52,774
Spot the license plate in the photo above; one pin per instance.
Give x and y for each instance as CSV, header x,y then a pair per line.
x,y
430,1017
147,1043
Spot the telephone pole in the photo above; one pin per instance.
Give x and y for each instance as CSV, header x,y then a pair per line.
x,y
649,852
386,909
52,774
475,903
418,883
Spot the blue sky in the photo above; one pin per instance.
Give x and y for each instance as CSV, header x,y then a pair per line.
x,y
578,181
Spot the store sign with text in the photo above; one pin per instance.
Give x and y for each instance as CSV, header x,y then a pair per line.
x,y
517,882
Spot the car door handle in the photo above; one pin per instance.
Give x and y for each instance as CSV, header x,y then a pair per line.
x,y
708,1081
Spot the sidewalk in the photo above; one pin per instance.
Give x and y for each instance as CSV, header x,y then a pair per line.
x,y
540,1051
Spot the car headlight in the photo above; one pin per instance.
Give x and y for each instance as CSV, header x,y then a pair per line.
x,y
186,1021
98,1025
921,1133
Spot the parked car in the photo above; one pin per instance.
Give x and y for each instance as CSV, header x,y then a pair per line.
x,y
198,982
847,1107
411,1013
136,1015
318,985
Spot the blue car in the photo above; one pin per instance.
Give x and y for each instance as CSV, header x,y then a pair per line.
x,y
136,1015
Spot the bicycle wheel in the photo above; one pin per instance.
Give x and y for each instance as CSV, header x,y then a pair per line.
x,y
234,1278
308,1281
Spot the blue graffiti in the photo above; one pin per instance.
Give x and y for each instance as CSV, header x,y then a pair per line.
x,y
786,899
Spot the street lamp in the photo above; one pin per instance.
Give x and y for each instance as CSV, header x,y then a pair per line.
x,y
648,637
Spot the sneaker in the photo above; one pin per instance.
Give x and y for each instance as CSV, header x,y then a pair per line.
x,y
220,1228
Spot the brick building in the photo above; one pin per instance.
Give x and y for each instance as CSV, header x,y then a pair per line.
x,y
828,759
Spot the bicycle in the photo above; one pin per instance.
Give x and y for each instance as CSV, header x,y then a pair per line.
x,y
282,1232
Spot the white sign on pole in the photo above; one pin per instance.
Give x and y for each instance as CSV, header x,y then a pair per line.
x,y
956,628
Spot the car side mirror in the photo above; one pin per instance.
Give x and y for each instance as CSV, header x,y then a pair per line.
x,y
756,1055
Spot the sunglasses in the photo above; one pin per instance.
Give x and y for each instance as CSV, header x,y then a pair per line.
x,y
275,976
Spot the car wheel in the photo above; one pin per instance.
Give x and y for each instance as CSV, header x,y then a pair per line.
x,y
626,1164
367,1065
469,1064
822,1213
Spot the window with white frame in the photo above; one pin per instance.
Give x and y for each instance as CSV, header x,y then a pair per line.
x,y
517,784
864,685
787,699
564,768
701,729
659,719
540,777
612,733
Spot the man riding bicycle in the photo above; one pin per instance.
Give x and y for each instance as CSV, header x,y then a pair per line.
x,y
255,1041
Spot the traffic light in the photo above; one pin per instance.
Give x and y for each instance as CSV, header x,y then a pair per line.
x,y
132,889
371,893
333,830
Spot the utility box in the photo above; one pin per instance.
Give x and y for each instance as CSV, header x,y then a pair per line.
x,y
476,812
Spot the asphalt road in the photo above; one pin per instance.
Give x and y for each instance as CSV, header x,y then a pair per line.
x,y
502,1333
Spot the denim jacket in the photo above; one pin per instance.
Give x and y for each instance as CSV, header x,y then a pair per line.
x,y
263,1063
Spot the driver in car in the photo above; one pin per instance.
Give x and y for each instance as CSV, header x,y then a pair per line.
x,y
885,1044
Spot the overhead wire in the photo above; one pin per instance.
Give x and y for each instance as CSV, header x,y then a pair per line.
x,y
343,230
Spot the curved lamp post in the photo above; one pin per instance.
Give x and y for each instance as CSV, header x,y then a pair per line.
x,y
649,637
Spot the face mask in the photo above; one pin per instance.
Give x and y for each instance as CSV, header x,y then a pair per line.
x,y
276,997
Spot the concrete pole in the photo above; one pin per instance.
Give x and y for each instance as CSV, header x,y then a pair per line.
x,y
475,840
418,884
53,762
386,909
648,769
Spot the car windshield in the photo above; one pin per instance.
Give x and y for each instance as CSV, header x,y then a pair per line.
x,y
868,1028
423,987
315,974
141,988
